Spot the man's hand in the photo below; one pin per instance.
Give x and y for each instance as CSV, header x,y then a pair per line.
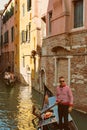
x,y
58,101
70,109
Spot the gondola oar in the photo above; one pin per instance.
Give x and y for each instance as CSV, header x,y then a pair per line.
x,y
49,108
34,113
39,115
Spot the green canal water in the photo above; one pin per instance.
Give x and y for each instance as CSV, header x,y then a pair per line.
x,y
16,108
80,119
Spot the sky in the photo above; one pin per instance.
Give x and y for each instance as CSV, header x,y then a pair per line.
x,y
2,3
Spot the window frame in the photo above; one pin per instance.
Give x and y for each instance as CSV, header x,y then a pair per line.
x,y
6,37
23,9
23,36
28,5
12,33
28,32
49,22
78,23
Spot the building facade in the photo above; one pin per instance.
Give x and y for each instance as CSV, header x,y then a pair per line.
x,y
26,19
7,37
25,41
17,38
32,29
64,49
30,41
1,12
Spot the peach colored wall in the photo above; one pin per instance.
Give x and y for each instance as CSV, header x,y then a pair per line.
x,y
36,12
43,7
34,8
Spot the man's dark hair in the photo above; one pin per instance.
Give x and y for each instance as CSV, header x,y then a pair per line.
x,y
61,77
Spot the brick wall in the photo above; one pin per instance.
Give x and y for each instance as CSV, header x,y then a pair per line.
x,y
73,44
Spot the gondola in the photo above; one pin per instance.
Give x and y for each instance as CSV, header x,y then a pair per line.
x,y
48,117
9,79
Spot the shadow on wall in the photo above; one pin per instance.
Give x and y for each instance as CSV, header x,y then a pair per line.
x,y
21,79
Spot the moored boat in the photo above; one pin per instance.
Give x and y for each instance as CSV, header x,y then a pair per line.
x,y
9,78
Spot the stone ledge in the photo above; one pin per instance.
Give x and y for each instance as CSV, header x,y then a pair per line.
x,y
81,111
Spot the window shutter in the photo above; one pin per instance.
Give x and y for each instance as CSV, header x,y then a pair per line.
x,y
78,13
23,36
28,5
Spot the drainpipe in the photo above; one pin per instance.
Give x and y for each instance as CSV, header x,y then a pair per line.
x,y
69,66
33,54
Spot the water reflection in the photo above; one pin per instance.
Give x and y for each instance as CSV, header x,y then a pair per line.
x,y
16,108
24,115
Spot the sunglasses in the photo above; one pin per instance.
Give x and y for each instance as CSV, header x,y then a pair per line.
x,y
62,81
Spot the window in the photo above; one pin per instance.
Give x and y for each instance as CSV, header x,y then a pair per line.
x,y
16,7
1,40
16,30
28,29
78,13
12,61
12,34
23,9
23,36
28,5
49,22
27,33
6,37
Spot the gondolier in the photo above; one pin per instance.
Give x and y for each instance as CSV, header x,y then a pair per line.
x,y
65,97
48,118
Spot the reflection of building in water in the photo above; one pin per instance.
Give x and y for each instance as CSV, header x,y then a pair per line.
x,y
25,116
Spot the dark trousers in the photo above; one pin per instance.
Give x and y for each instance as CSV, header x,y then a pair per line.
x,y
63,113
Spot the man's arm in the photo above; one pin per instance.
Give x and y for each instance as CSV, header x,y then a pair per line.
x,y
71,100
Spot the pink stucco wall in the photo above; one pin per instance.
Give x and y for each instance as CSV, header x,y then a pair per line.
x,y
66,40
62,16
7,26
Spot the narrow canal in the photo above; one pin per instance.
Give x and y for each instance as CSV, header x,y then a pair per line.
x,y
16,108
